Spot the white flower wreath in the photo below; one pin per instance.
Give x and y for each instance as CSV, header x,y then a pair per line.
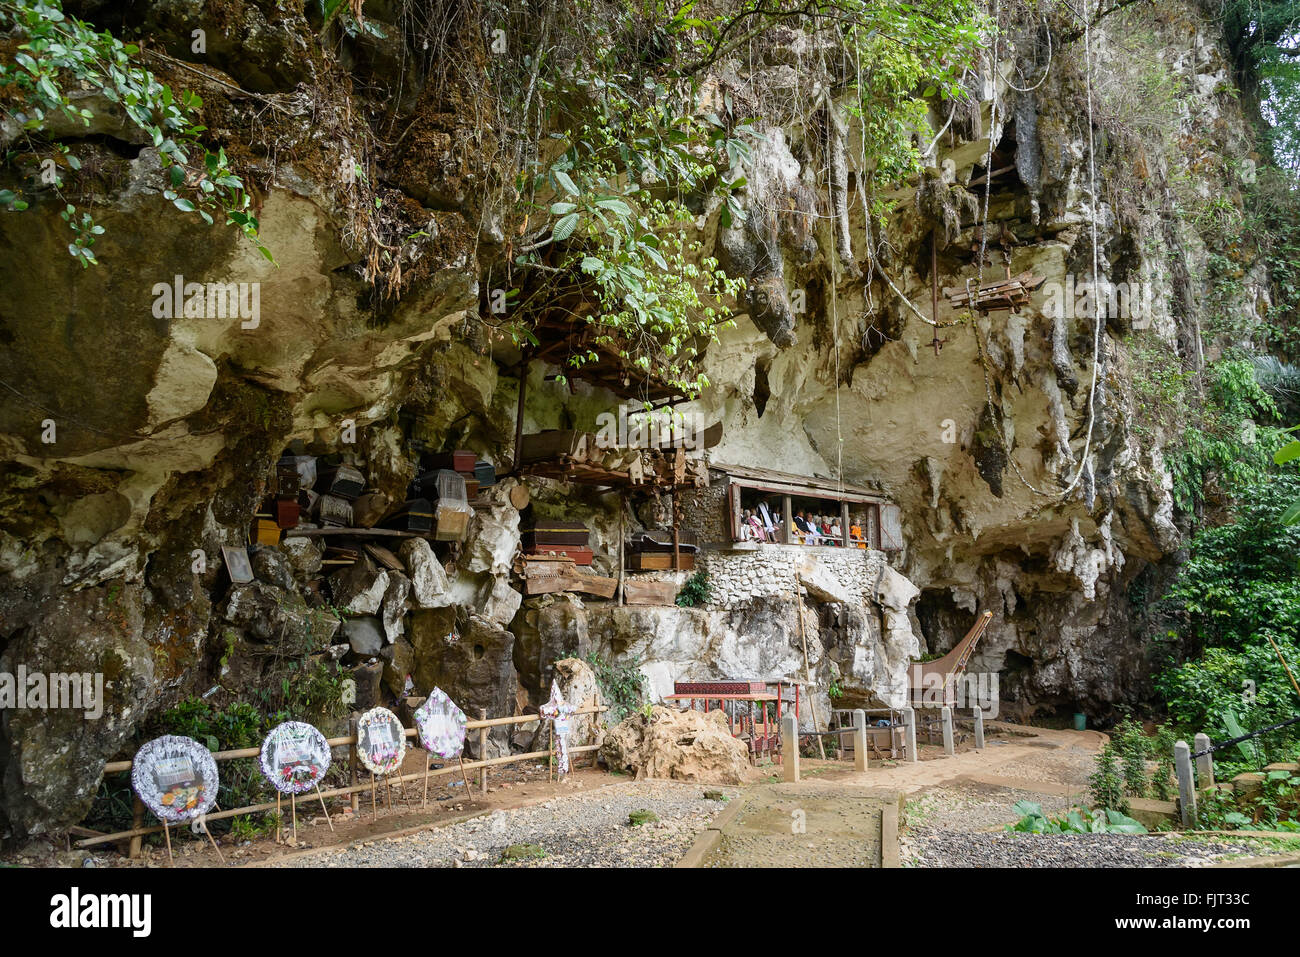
x,y
381,741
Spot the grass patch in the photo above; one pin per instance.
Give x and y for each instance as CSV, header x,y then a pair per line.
x,y
523,852
637,818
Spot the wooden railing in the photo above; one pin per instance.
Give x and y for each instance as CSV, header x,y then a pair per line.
x,y
353,789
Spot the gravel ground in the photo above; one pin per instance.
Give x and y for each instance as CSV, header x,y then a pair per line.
x,y
936,847
974,807
963,826
582,830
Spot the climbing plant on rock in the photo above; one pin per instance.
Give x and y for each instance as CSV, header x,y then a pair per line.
x,y
61,68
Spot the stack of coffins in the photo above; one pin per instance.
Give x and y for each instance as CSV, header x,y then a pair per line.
x,y
476,475
559,539
653,550
440,499
337,486
287,484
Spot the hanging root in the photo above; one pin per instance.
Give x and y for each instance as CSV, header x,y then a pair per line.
x,y
838,172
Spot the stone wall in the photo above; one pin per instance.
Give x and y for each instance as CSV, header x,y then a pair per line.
x,y
739,575
704,510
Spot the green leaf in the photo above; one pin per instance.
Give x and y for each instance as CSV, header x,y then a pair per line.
x,y
564,227
1287,453
1292,514
565,182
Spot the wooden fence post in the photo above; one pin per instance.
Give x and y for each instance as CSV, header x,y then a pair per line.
x,y
137,822
859,740
790,748
979,728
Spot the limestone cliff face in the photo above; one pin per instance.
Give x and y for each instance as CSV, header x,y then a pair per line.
x,y
136,446
1046,510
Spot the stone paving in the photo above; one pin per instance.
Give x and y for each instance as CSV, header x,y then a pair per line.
x,y
804,825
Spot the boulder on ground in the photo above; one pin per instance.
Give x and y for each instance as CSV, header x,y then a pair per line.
x,y
678,745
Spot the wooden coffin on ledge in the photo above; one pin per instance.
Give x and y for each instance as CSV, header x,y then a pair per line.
x,y
649,593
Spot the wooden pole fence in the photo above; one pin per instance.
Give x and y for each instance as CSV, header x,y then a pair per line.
x,y
137,832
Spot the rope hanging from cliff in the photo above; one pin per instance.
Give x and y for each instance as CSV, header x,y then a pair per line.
x,y
981,348
1096,300
1046,70
1097,319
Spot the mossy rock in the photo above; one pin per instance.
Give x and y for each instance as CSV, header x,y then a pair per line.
x,y
637,818
714,796
523,852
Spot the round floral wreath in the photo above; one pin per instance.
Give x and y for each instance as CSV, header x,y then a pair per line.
x,y
301,776
389,759
441,725
183,800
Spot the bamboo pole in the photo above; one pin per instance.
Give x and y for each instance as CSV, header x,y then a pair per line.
x,y
328,819
482,750
352,761
1284,664
622,534
137,822
213,841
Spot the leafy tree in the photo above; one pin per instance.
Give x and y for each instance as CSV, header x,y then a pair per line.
x,y
636,151
1239,587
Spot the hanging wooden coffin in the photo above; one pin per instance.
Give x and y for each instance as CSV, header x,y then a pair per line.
x,y
649,593
471,485
342,481
287,481
414,516
486,474
662,541
660,561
